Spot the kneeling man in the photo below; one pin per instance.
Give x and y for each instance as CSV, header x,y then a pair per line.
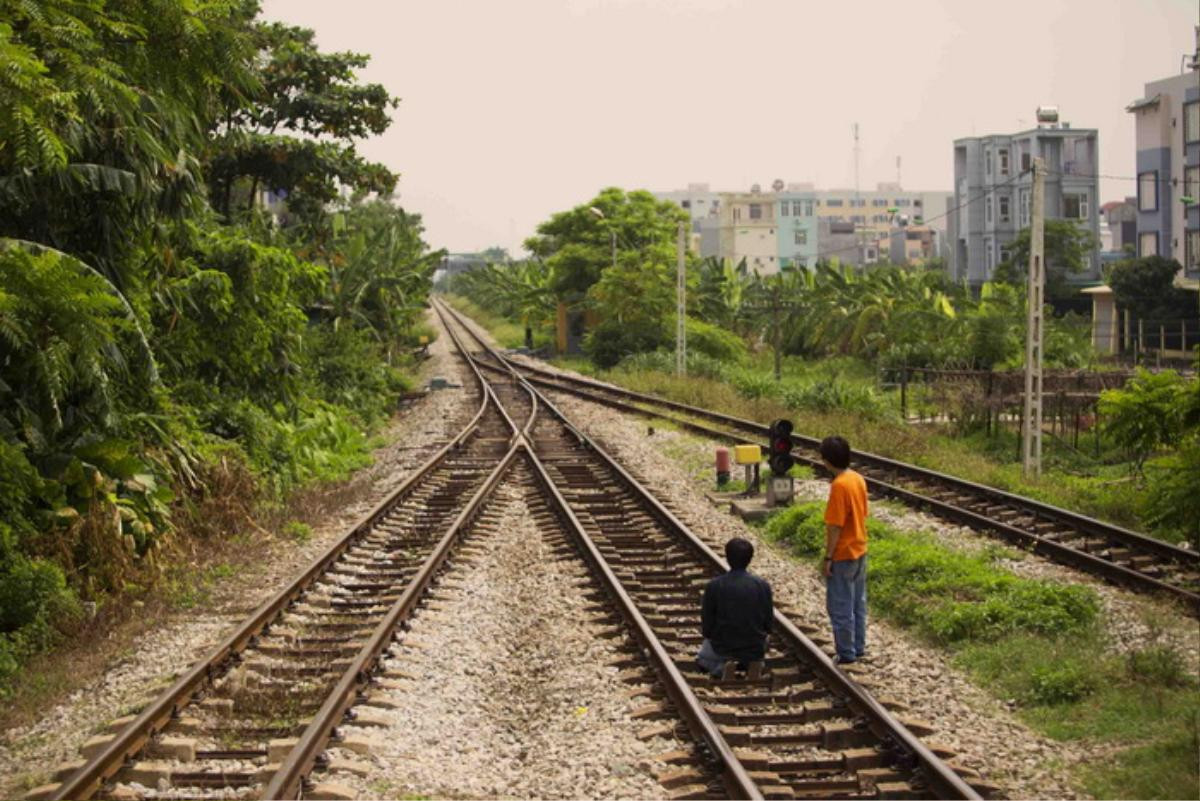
x,y
736,614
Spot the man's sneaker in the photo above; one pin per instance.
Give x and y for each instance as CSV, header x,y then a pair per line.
x,y
727,671
837,660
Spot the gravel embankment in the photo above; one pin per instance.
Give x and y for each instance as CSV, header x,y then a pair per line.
x,y
28,754
503,689
986,735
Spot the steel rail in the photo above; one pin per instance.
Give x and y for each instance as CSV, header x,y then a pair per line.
x,y
1047,511
88,778
940,777
1042,546
288,780
737,780
287,783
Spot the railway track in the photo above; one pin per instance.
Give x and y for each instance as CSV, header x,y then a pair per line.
x,y
1112,552
802,729
256,718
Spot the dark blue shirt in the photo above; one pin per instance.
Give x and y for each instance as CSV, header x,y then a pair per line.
x,y
736,615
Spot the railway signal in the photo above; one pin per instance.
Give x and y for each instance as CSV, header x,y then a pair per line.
x,y
780,490
780,447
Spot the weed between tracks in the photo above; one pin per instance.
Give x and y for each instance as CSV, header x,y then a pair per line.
x,y
1038,647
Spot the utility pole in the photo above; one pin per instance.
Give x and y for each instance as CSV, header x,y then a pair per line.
x,y
681,302
1032,430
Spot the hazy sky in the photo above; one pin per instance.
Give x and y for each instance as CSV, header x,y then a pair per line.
x,y
514,109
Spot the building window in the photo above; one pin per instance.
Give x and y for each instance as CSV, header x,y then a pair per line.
x,y
1004,215
1024,207
988,206
1148,191
1026,162
879,218
990,255
987,161
1148,244
756,211
1191,122
1003,154
783,209
917,203
858,218
687,204
858,202
1075,206
737,212
1191,182
902,202
801,237
879,201
1191,250
834,202
808,208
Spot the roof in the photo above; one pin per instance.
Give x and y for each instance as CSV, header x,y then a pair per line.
x,y
1097,290
1144,102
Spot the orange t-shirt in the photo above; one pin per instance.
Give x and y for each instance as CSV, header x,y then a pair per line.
x,y
847,507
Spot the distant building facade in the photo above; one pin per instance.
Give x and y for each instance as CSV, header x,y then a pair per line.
x,y
993,185
798,225
1167,123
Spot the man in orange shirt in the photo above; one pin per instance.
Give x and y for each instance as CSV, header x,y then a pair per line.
x,y
845,564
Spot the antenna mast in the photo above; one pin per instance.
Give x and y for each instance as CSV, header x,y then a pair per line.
x,y
856,161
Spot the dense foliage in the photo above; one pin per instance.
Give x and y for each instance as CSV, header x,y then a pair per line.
x,y
160,330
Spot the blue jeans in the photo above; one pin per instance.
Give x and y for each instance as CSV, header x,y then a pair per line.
x,y
709,659
846,600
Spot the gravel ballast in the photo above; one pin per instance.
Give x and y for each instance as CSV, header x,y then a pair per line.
x,y
987,736
29,753
504,690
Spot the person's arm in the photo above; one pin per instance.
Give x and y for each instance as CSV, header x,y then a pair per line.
x,y
708,612
832,534
768,611
835,519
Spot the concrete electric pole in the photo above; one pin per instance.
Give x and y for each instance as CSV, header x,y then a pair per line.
x,y
681,302
1031,433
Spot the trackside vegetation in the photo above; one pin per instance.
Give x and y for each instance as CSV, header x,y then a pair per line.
x,y
1037,646
207,298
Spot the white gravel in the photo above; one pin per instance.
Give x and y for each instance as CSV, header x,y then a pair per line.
x,y
28,754
504,690
987,737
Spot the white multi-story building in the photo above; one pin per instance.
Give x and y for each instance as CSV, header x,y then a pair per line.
x,y
795,223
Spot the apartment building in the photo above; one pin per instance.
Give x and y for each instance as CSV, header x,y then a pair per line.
x,y
1167,123
993,184
808,224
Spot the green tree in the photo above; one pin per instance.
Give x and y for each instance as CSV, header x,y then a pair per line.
x,y
317,99
1148,414
576,244
1068,249
1146,287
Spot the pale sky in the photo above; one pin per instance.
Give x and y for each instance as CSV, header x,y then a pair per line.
x,y
514,109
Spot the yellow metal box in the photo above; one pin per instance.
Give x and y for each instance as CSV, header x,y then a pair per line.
x,y
747,454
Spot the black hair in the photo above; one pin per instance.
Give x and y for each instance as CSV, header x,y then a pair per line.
x,y
836,451
738,552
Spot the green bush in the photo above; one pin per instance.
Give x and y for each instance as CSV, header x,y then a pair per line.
x,y
1157,665
834,394
1060,684
1171,504
714,341
612,340
663,361
946,594
754,385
